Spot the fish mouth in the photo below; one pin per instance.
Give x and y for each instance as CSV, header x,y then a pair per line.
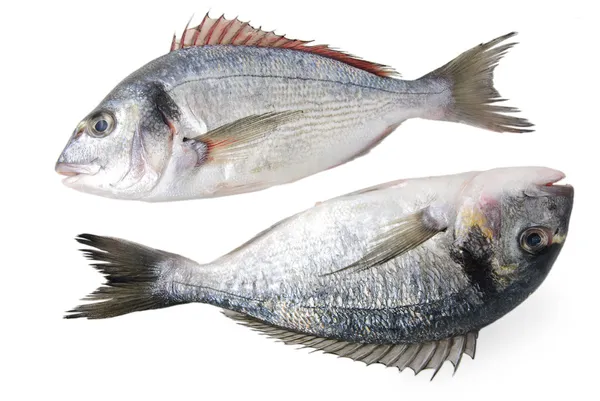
x,y
73,171
554,189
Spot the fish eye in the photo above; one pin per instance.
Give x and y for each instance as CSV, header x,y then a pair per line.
x,y
535,239
101,125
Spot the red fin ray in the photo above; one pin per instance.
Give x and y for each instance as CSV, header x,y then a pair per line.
x,y
234,32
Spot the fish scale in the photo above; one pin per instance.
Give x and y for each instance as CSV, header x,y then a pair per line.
x,y
404,273
449,281
189,113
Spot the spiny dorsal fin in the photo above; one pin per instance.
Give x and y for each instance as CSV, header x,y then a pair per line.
x,y
418,357
221,31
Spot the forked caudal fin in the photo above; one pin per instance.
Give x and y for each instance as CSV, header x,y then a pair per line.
x,y
473,97
133,273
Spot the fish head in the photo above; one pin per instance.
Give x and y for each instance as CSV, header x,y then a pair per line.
x,y
511,226
119,150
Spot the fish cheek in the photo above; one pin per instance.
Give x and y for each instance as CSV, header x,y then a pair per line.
x,y
157,147
540,267
475,252
517,266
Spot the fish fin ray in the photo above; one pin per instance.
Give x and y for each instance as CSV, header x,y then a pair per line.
x,y
439,357
421,360
403,235
394,354
132,272
473,97
471,344
407,356
456,351
221,31
418,357
378,353
236,139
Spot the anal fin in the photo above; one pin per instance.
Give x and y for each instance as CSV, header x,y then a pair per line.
x,y
418,357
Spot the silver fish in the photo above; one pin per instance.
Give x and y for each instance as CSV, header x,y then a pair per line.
x,y
233,109
404,273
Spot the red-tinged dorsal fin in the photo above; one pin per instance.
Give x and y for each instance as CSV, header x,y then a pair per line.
x,y
221,31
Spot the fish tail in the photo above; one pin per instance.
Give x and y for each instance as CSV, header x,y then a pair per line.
x,y
137,278
473,96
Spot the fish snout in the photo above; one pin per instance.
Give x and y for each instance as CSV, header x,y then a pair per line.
x,y
549,187
566,190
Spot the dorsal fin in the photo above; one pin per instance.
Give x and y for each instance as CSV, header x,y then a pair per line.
x,y
222,31
418,357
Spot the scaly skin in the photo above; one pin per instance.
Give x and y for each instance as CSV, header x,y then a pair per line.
x,y
345,112
462,279
162,135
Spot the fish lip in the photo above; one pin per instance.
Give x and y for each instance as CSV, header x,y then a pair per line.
x,y
72,169
553,189
550,188
557,190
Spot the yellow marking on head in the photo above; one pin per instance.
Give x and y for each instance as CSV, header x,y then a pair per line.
x,y
508,268
558,239
504,274
473,217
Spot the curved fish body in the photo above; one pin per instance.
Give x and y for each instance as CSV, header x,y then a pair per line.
x,y
415,264
223,114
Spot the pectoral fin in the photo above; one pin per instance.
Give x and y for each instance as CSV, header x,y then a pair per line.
x,y
237,139
401,236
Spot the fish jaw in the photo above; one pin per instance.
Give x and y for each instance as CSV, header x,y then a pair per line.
x,y
73,169
84,177
75,172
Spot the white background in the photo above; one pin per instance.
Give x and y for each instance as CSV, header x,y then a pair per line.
x,y
59,59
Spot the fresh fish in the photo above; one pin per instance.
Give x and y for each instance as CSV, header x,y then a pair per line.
x,y
404,274
233,109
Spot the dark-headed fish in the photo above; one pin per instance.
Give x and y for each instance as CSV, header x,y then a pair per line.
x,y
404,274
233,109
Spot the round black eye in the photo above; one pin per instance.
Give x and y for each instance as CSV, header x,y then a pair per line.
x,y
535,239
101,125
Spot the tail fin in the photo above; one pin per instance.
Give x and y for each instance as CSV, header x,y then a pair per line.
x,y
132,271
473,94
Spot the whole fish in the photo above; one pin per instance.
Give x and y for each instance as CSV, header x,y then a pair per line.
x,y
404,273
233,109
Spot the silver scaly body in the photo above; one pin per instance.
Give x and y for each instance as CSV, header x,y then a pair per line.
x,y
282,277
404,273
345,111
221,115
